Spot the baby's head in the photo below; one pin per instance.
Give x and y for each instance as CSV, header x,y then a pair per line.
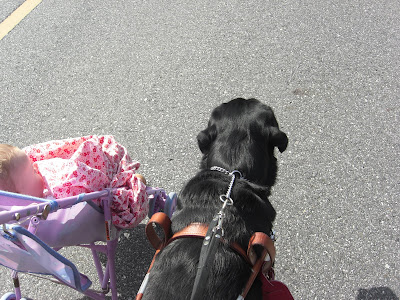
x,y
17,174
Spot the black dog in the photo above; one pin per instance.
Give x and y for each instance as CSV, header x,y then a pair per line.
x,y
241,135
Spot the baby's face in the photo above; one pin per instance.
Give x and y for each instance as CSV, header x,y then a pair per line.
x,y
26,180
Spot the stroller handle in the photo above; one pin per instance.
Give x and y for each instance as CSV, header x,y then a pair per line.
x,y
42,206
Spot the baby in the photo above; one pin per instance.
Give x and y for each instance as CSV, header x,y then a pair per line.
x,y
65,168
17,173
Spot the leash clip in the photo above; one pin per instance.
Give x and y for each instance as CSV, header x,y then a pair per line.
x,y
225,199
218,230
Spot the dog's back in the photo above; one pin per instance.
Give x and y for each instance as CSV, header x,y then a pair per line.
x,y
241,135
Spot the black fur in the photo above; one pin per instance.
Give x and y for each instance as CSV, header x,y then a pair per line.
x,y
241,135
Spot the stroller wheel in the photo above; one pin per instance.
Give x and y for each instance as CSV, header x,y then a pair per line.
x,y
8,296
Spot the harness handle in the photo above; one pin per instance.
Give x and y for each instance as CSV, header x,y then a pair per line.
x,y
260,263
161,219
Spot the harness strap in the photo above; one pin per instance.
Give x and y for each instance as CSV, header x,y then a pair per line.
x,y
260,264
162,220
194,230
239,250
199,230
263,240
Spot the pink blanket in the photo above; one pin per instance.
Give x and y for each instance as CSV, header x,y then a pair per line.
x,y
79,165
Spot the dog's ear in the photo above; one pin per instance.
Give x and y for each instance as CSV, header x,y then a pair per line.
x,y
278,138
268,124
206,137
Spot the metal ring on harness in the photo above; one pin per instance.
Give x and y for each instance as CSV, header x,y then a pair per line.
x,y
225,199
236,171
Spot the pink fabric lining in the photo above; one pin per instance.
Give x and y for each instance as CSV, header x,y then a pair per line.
x,y
86,164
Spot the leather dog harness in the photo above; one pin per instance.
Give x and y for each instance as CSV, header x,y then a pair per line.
x,y
212,235
263,263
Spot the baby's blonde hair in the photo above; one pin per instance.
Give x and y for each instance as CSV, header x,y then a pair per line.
x,y
7,153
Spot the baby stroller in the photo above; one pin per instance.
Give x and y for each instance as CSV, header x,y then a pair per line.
x,y
33,230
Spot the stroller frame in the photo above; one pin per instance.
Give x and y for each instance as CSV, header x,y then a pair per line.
x,y
43,207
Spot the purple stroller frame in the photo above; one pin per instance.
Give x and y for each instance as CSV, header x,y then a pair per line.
x,y
43,208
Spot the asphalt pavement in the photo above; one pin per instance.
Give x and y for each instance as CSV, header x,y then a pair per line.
x,y
150,72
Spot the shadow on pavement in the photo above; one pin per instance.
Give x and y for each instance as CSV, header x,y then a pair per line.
x,y
134,255
133,258
376,293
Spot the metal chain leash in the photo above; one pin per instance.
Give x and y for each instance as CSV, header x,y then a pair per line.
x,y
226,199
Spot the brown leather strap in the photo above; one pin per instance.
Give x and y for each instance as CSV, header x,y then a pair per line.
x,y
193,230
164,222
239,250
259,238
199,230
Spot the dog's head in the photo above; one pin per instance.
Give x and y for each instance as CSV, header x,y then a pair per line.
x,y
241,135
